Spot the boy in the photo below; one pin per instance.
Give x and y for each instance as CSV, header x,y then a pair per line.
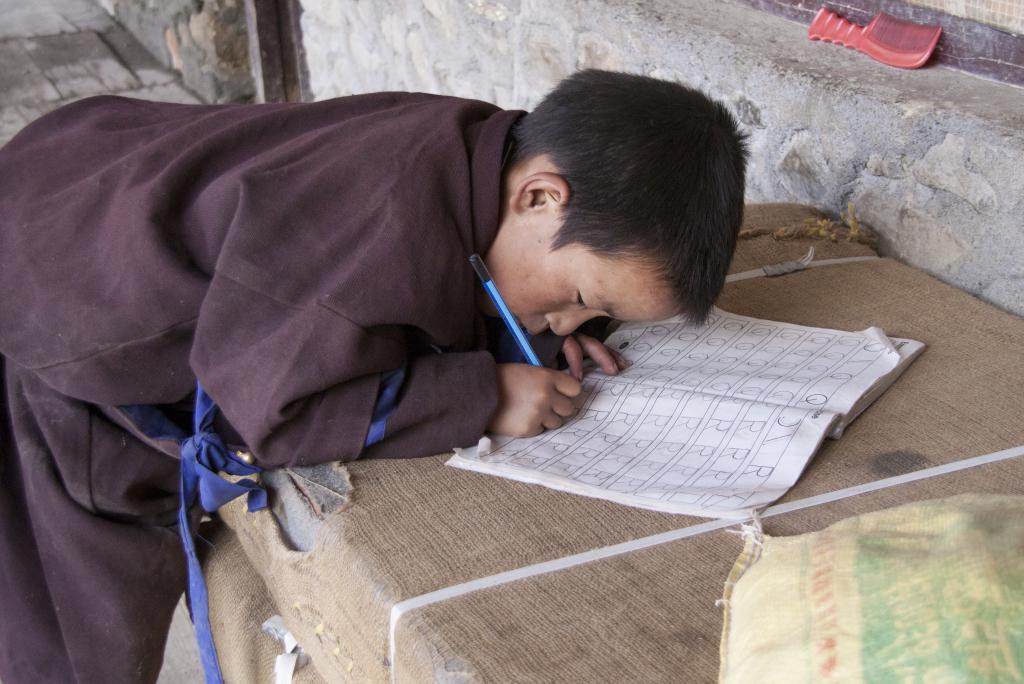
x,y
308,265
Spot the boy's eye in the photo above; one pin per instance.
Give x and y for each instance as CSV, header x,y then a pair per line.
x,y
579,299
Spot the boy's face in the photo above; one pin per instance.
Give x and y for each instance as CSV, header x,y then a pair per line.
x,y
561,289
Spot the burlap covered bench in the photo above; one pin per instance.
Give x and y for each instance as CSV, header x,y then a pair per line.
x,y
407,528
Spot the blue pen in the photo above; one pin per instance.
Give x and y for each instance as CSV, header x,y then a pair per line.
x,y
506,315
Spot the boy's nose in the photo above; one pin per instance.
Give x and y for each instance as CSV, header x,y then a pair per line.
x,y
566,322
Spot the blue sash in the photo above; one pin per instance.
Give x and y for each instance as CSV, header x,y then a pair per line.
x,y
203,456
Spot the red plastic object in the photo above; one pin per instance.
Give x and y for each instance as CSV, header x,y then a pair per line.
x,y
890,40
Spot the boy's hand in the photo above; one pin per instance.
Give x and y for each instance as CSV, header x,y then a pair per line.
x,y
530,399
576,346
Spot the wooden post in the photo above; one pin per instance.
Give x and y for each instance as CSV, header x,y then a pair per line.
x,y
275,50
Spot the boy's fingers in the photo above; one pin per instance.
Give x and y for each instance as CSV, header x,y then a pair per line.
x,y
551,421
567,385
563,406
573,356
602,355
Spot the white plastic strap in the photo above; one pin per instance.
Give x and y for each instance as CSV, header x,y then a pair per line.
x,y
771,270
403,607
284,667
293,657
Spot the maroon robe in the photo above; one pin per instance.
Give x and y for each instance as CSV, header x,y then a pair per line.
x,y
286,256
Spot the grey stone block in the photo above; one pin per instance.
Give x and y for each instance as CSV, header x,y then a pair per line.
x,y
11,121
49,17
25,19
136,57
948,166
163,92
21,80
80,64
85,15
16,117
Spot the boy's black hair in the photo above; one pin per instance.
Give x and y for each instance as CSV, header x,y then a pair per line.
x,y
655,171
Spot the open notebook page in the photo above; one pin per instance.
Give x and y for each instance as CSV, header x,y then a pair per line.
x,y
709,420
747,358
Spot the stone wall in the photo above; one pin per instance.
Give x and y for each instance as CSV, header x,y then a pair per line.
x,y
931,158
204,40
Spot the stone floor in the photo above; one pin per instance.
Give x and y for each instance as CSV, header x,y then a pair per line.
x,y
56,51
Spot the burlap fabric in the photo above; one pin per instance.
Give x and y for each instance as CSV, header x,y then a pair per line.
x,y
415,526
239,606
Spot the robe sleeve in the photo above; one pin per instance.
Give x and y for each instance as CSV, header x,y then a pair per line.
x,y
299,383
436,409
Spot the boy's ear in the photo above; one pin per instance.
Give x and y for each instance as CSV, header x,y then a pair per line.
x,y
542,190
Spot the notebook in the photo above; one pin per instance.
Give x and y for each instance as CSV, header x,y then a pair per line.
x,y
710,420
